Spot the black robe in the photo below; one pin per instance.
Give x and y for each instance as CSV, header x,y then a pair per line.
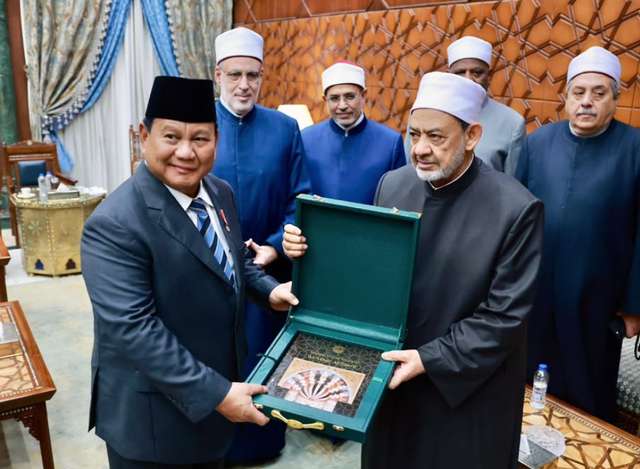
x,y
473,287
591,262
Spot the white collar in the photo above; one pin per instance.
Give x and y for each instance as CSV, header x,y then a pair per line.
x,y
224,103
588,136
451,182
185,201
358,120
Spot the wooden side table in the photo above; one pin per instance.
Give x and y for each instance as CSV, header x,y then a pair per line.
x,y
25,383
591,442
51,233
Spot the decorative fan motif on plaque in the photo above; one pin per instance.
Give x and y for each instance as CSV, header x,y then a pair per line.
x,y
319,388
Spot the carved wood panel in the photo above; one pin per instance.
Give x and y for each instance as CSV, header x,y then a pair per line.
x,y
534,41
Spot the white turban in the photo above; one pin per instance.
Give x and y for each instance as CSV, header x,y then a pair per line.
x,y
595,60
239,42
342,73
469,47
452,94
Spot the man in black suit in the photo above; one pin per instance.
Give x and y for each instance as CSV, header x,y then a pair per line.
x,y
167,272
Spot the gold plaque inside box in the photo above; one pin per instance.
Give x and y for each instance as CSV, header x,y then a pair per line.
x,y
324,374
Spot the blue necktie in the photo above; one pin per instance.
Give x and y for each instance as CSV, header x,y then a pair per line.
x,y
210,236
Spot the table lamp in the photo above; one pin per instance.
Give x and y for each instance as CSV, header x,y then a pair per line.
x,y
300,112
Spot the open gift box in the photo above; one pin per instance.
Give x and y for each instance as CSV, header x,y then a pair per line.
x,y
324,370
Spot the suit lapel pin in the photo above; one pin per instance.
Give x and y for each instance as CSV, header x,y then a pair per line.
x,y
224,219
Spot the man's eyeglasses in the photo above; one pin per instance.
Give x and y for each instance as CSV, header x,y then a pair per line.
x,y
235,76
349,98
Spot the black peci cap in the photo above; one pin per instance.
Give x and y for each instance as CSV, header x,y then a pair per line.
x,y
182,99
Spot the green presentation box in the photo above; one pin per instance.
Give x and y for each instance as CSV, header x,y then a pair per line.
x,y
324,370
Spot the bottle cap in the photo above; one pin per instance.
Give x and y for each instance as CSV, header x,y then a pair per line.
x,y
41,175
543,367
49,172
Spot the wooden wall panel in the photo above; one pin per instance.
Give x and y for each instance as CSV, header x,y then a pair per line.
x,y
256,11
534,41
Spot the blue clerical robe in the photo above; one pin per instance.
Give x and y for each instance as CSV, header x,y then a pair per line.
x,y
348,164
261,156
591,260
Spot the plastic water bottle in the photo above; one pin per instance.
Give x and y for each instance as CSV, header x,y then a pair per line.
x,y
42,188
540,384
47,180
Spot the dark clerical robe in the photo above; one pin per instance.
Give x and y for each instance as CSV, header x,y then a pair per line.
x,y
473,287
348,164
591,262
261,156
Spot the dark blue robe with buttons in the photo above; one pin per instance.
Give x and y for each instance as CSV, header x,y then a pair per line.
x,y
348,164
261,156
591,263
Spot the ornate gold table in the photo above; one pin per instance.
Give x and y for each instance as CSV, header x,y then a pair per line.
x,y
51,233
25,383
591,442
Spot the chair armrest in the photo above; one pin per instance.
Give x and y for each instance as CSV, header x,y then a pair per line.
x,y
66,179
5,257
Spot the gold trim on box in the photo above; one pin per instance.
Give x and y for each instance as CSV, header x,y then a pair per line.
x,y
296,424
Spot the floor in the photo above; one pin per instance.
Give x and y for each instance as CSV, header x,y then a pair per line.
x,y
59,314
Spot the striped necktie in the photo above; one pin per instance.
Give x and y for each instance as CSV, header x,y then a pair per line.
x,y
208,232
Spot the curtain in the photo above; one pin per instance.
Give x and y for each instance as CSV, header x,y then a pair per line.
x,y
63,43
111,40
155,15
99,138
195,24
158,38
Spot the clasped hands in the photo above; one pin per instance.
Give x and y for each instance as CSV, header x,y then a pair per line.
x,y
631,323
265,254
409,362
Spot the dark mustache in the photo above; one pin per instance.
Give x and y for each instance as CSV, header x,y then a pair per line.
x,y
587,112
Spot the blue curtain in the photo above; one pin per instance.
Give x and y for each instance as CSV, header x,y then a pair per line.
x,y
111,46
120,10
155,14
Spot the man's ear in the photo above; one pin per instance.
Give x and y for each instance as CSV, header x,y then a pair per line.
x,y
364,94
144,135
217,74
473,133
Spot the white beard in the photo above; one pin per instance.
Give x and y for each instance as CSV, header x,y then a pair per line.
x,y
448,170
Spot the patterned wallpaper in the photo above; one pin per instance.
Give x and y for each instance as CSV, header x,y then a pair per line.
x,y
534,41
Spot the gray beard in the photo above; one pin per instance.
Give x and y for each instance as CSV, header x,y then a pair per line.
x,y
448,170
